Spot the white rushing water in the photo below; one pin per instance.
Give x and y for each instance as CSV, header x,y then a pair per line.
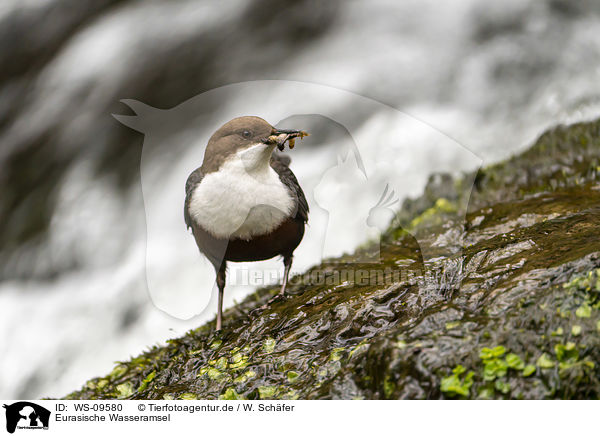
x,y
421,86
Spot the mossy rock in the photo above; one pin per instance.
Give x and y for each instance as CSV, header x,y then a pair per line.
x,y
513,313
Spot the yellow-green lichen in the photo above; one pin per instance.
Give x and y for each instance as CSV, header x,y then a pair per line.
x,y
243,378
292,376
215,344
433,214
238,361
336,354
452,325
230,394
584,311
124,390
267,392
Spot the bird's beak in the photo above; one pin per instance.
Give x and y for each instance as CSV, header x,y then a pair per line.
x,y
279,137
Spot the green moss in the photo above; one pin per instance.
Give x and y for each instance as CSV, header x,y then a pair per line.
x,y
514,361
215,344
267,392
215,374
502,386
456,384
567,352
230,394
243,378
528,370
292,376
434,213
238,361
545,362
117,372
388,386
486,393
452,325
491,353
124,390
292,394
494,368
220,363
361,348
583,311
336,354
147,380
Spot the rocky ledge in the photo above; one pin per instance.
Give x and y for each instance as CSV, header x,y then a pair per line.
x,y
489,292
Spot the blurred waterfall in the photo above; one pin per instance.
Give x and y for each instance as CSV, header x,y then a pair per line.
x,y
73,294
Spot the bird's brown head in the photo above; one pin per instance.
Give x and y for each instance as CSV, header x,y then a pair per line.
x,y
245,133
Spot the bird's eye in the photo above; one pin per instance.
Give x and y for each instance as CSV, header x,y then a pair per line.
x,y
246,134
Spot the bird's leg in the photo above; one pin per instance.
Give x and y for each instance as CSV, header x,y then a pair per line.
x,y
287,263
221,286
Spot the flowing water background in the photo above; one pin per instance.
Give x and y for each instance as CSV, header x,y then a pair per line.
x,y
73,291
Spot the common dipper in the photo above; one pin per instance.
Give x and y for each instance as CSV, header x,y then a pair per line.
x,y
244,203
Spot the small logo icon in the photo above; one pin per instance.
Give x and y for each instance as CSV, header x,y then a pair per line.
x,y
26,415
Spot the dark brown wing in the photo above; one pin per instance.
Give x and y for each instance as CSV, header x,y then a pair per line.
x,y
281,165
193,180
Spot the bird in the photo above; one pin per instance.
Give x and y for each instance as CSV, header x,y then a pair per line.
x,y
244,203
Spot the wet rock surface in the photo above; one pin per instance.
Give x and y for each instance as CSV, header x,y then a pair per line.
x,y
509,308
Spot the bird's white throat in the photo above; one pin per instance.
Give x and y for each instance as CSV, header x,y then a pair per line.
x,y
244,198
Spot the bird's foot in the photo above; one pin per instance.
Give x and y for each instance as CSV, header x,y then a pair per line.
x,y
277,297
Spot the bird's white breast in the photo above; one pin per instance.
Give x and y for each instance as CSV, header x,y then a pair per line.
x,y
235,202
